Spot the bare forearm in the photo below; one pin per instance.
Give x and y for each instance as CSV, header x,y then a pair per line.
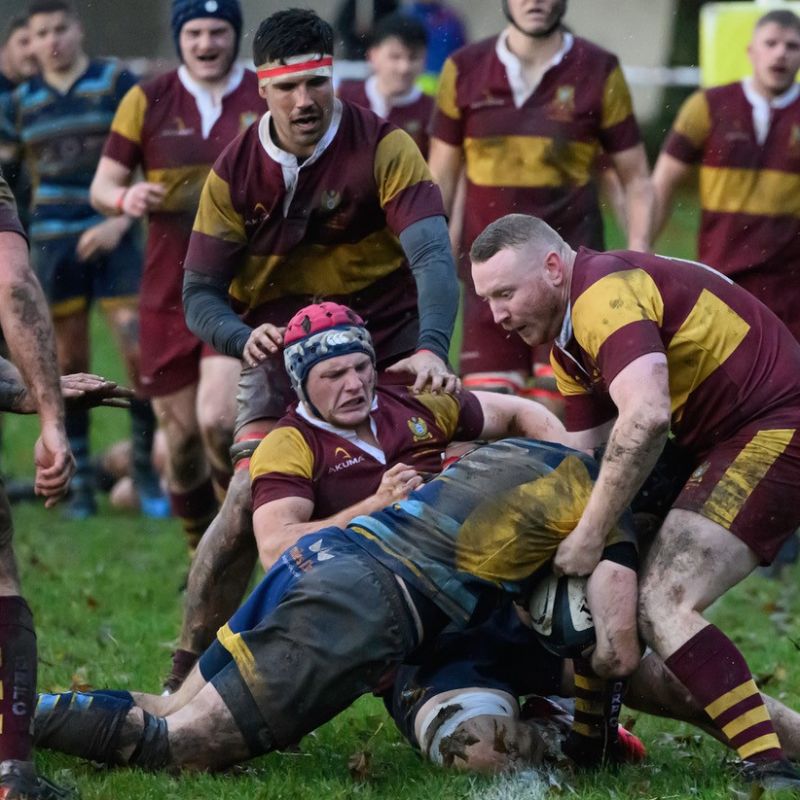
x,y
639,206
274,540
26,324
633,448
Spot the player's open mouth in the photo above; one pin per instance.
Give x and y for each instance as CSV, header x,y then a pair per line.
x,y
305,123
208,59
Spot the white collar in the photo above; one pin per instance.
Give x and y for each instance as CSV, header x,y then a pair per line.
x,y
347,433
762,107
288,161
381,104
209,102
521,87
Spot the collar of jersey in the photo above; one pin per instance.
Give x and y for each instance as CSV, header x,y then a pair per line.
x,y
288,161
383,105
762,108
347,433
210,111
520,87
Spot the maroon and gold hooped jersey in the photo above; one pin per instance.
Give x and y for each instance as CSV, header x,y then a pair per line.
x,y
158,127
539,158
329,467
333,233
731,361
749,192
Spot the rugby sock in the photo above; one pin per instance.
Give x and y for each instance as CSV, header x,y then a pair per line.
x,y
195,509
86,724
715,672
143,428
595,728
76,423
17,678
182,663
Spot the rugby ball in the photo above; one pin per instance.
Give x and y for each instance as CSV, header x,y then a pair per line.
x,y
560,615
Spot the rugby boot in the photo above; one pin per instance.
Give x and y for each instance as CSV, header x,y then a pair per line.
x,y
771,775
19,781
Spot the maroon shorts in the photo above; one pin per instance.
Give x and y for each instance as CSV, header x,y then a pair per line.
x,y
170,352
749,483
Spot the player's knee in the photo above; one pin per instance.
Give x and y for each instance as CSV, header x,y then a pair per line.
x,y
657,597
618,660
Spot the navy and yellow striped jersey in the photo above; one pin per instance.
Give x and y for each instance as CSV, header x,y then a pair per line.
x,y
492,519
61,137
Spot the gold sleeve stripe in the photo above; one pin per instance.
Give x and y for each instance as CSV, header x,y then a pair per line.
x,y
216,215
613,302
446,94
283,450
444,408
398,165
706,339
743,475
319,269
617,104
565,383
694,119
766,192
528,161
129,117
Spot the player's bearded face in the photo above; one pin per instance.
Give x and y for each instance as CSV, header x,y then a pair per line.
x,y
775,56
520,296
208,48
535,18
301,109
342,388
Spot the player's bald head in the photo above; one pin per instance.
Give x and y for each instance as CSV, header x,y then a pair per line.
x,y
516,232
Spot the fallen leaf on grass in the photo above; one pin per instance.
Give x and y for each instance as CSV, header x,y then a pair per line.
x,y
359,765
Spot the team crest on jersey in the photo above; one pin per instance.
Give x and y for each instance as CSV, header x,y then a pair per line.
x,y
562,106
413,127
419,429
246,120
330,200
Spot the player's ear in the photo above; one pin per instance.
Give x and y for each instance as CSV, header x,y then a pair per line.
x,y
554,268
262,90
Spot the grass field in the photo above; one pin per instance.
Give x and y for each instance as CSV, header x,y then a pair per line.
x,y
107,602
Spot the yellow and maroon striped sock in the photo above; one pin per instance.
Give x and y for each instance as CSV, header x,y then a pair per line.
x,y
711,667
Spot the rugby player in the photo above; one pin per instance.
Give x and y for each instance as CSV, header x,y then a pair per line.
x,y
26,325
57,121
17,60
645,345
396,55
174,127
320,199
523,115
744,136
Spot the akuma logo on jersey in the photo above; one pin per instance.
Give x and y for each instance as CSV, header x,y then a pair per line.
x,y
348,461
260,214
419,429
178,128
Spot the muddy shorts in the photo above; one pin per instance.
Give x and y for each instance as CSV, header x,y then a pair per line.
x,y
501,653
342,626
748,484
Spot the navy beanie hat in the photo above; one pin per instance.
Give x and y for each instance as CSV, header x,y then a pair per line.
x,y
184,11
